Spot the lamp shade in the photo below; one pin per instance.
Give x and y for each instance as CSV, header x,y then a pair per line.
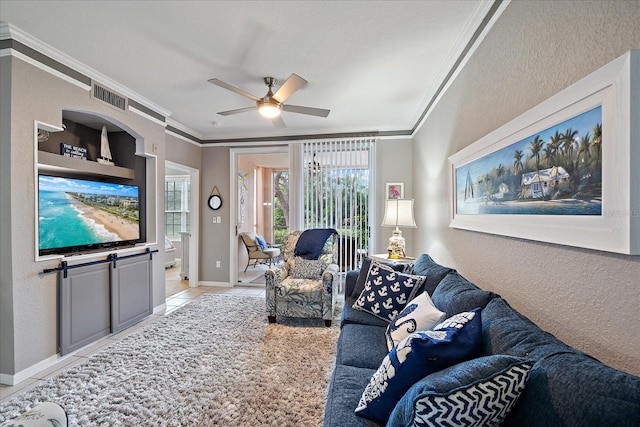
x,y
398,213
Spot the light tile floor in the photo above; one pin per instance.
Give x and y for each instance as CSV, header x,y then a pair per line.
x,y
172,303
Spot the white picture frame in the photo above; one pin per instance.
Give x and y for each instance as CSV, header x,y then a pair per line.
x,y
394,190
616,88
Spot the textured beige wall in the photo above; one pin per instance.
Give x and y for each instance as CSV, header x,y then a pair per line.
x,y
38,95
587,298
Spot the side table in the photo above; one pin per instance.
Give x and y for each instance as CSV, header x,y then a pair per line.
x,y
393,261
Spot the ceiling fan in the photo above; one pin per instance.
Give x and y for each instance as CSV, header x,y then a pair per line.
x,y
272,104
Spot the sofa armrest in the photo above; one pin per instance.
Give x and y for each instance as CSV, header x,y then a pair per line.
x,y
350,282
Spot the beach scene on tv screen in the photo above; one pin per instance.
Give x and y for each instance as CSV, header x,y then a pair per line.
x,y
75,212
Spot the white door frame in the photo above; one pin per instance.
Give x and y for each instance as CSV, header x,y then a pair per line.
x,y
233,209
194,222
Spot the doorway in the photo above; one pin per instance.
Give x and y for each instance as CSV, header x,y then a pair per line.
x,y
257,206
180,223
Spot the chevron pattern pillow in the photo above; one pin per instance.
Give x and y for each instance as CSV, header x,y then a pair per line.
x,y
479,392
419,354
419,315
387,291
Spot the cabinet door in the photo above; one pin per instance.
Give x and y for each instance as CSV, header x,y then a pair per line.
x,y
84,306
132,292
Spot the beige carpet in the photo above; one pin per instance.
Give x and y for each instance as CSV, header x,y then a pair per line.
x,y
214,362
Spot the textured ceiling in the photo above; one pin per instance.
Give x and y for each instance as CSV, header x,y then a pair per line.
x,y
374,64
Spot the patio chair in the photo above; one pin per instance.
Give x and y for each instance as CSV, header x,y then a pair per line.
x,y
258,251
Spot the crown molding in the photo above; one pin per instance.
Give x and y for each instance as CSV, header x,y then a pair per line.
x,y
482,20
11,32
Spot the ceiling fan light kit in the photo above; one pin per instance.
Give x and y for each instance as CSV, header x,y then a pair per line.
x,y
268,108
271,105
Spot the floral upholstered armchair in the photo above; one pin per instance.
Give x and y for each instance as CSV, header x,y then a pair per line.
x,y
304,285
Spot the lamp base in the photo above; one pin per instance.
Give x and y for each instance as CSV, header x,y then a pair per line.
x,y
396,245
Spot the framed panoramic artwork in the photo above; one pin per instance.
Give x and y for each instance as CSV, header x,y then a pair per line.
x,y
394,190
564,172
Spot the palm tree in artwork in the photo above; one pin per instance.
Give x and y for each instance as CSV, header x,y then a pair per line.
x,y
556,143
567,144
517,163
535,146
583,148
548,155
596,141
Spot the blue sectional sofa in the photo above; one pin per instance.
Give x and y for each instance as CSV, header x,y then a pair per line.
x,y
565,387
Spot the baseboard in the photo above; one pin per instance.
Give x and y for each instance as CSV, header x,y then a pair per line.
x,y
160,308
215,284
32,370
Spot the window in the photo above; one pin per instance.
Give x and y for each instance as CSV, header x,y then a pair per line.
x,y
280,205
336,193
177,197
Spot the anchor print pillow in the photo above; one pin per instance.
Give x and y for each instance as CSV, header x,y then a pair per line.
x,y
387,291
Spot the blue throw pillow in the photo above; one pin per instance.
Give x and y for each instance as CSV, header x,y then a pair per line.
x,y
261,242
479,392
421,353
386,291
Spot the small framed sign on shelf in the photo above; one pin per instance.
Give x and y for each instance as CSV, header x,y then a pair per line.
x,y
73,151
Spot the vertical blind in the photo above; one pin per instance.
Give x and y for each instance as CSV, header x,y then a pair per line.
x,y
336,193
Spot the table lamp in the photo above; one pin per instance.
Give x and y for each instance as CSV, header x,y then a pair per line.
x,y
398,213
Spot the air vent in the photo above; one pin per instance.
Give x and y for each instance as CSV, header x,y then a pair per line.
x,y
102,94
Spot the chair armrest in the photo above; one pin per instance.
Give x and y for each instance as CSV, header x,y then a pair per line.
x,y
330,273
276,274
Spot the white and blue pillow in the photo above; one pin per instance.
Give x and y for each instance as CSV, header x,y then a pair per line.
x,y
262,243
419,354
420,314
387,291
478,392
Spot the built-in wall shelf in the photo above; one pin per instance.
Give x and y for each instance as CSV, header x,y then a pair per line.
x,y
57,163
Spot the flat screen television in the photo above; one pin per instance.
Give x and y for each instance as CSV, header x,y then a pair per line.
x,y
80,215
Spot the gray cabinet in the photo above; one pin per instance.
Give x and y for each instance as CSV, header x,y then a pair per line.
x,y
131,292
103,298
85,301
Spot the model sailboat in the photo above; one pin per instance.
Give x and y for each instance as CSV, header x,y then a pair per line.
x,y
105,152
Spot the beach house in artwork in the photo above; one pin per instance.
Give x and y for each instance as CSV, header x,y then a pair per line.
x,y
541,183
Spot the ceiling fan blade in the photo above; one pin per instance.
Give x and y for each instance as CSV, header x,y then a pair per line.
x,y
278,123
227,86
237,111
289,87
320,112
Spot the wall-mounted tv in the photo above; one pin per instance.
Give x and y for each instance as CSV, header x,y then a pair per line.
x,y
78,215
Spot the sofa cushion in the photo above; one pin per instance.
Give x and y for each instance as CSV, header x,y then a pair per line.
x,y
505,331
456,294
418,315
480,391
434,272
343,395
386,291
416,356
364,271
351,315
362,346
575,390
